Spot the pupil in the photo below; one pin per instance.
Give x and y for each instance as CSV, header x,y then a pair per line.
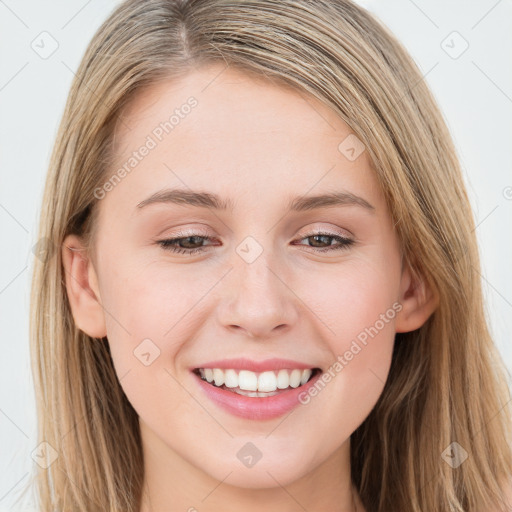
x,y
190,238
317,237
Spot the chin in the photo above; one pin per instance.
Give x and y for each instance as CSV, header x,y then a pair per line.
x,y
262,475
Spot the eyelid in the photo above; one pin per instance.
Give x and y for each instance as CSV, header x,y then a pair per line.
x,y
188,232
344,233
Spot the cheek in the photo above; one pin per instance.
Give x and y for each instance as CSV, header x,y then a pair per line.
x,y
364,322
356,307
152,301
152,312
350,299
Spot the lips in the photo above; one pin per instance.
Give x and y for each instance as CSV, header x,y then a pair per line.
x,y
253,403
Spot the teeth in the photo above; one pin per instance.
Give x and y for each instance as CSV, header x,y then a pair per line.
x,y
230,379
247,380
254,383
218,377
267,381
295,377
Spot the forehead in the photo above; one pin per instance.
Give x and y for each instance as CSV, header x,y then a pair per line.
x,y
218,127
229,101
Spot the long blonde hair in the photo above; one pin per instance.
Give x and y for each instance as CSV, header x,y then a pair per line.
x,y
446,383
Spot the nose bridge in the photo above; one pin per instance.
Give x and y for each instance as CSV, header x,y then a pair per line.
x,y
256,281
258,277
257,298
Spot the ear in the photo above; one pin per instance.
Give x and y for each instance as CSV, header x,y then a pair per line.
x,y
82,288
418,302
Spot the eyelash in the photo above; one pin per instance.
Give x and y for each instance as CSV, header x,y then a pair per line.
x,y
169,244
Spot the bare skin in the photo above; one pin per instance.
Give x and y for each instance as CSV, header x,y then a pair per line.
x,y
259,145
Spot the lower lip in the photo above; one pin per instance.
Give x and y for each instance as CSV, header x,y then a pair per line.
x,y
256,408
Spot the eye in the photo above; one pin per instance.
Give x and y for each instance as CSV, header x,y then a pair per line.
x,y
323,238
184,245
192,243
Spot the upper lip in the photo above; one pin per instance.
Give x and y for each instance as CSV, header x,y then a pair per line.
x,y
242,363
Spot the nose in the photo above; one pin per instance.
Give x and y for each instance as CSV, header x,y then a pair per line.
x,y
257,300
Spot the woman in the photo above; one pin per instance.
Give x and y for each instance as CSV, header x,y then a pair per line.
x,y
263,292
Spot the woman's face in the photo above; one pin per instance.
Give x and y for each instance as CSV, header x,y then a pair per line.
x,y
275,275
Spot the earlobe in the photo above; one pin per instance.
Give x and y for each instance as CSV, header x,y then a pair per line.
x,y
418,302
82,288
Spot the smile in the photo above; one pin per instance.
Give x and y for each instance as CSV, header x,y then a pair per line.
x,y
254,395
253,384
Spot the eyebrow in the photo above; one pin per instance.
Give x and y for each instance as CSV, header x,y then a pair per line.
x,y
210,200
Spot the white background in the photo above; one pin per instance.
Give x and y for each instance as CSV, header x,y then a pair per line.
x,y
473,90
